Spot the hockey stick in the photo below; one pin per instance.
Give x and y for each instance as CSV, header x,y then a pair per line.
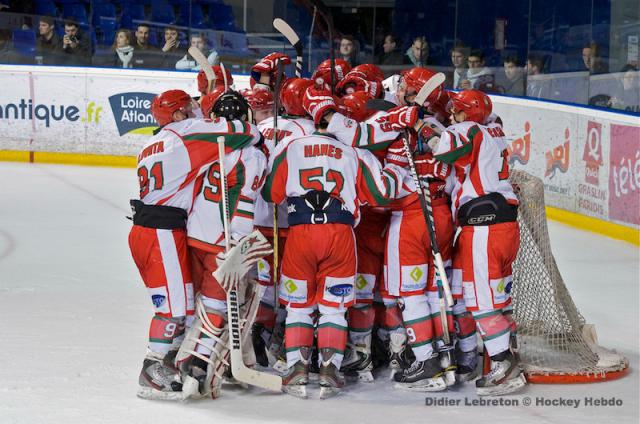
x,y
427,211
224,76
204,65
291,36
429,87
239,370
276,231
321,8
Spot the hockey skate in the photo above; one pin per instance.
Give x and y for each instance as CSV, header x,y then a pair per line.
x,y
448,364
158,382
504,377
467,368
357,361
422,376
296,379
400,354
329,378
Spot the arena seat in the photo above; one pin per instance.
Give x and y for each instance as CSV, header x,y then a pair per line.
x,y
24,42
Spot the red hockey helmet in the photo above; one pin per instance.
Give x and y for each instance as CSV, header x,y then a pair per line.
x,y
258,99
203,83
354,105
291,95
369,72
415,78
207,101
165,104
322,74
474,103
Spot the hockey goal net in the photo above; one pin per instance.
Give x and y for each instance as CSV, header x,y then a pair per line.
x,y
554,342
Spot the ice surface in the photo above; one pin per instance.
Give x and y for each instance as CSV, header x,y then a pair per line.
x,y
74,317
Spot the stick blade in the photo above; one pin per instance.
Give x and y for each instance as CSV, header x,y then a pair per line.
x,y
197,55
428,88
286,30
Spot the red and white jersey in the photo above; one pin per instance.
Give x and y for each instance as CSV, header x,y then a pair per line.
x,y
479,155
246,171
288,129
320,162
172,159
370,134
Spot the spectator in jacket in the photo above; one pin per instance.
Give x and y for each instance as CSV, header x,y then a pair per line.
x,y
76,47
48,45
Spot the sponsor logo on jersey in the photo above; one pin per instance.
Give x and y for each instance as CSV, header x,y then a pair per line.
x,y
520,148
340,290
290,286
507,288
132,113
592,153
501,286
361,282
416,273
158,300
558,157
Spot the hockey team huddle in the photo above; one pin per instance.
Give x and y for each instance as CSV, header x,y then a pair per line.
x,y
343,213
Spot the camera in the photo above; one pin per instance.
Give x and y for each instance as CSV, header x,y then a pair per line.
x,y
73,38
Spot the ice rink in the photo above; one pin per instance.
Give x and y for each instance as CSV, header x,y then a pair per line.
x,y
74,317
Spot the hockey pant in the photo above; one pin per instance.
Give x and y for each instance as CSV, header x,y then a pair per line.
x,y
162,260
318,272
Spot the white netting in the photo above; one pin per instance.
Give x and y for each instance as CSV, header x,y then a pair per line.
x,y
552,335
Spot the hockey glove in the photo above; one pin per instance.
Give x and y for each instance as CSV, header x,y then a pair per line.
x,y
268,65
402,117
318,102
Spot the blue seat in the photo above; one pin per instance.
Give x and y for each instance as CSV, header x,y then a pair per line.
x,y
103,10
221,17
130,12
75,11
45,8
197,16
24,41
163,13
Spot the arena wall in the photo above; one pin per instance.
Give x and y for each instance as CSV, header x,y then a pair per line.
x,y
588,159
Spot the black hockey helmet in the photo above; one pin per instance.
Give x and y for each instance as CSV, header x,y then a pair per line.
x,y
231,105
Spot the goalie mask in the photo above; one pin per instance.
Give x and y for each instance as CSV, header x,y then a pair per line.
x,y
231,105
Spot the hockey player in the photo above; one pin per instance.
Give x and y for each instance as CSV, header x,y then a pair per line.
x,y
167,169
485,208
322,75
292,125
324,183
245,174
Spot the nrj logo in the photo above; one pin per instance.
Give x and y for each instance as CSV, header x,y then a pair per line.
x,y
132,112
558,157
520,148
593,153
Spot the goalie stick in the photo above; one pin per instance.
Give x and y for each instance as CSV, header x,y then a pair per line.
x,y
239,370
197,55
291,36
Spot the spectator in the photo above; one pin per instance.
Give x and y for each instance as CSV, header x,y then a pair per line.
x,y
48,46
628,93
76,47
172,51
391,55
459,62
7,53
198,41
536,87
349,50
123,50
479,77
514,77
592,62
147,55
418,53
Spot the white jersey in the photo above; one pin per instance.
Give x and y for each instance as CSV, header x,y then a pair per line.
x,y
373,134
288,129
479,154
172,159
245,170
320,162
